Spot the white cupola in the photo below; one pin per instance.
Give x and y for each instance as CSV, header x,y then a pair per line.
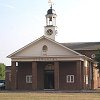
x,y
50,30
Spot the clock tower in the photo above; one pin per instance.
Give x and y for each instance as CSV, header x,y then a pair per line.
x,y
50,30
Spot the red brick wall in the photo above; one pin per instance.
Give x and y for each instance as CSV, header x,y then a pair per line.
x,y
68,68
24,68
8,79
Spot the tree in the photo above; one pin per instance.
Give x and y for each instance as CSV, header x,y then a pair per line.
x,y
2,71
97,58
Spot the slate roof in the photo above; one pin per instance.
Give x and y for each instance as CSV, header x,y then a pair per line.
x,y
83,45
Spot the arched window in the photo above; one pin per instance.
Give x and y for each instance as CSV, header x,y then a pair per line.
x,y
45,48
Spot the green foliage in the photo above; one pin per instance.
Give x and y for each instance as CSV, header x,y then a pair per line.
x,y
2,71
97,58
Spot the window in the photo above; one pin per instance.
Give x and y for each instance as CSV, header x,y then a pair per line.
x,y
45,48
93,56
70,78
28,78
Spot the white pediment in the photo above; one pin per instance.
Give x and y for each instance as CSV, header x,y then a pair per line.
x,y
35,49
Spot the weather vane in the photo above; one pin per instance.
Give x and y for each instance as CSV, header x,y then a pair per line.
x,y
50,2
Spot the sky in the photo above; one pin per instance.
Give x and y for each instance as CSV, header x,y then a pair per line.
x,y
23,21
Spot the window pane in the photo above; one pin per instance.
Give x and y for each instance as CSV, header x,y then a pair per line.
x,y
72,78
68,78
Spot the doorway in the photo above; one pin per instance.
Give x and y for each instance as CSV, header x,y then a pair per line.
x,y
49,79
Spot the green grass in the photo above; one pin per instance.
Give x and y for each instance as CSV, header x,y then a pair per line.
x,y
49,96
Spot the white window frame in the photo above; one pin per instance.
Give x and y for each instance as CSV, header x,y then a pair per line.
x,y
28,78
70,78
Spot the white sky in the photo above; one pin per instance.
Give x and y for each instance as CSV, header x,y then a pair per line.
x,y
23,21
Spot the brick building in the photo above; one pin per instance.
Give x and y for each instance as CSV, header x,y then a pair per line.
x,y
46,64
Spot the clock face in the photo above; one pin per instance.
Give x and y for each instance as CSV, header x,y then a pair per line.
x,y
49,32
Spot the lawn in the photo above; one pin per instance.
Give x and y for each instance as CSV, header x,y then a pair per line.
x,y
48,96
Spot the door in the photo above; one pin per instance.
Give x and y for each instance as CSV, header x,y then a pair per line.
x,y
48,79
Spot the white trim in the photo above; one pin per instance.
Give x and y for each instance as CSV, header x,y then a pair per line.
x,y
87,79
16,63
85,63
48,59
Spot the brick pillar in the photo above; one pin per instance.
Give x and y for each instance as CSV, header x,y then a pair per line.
x,y
56,75
83,75
34,75
79,75
92,80
13,76
84,78
89,75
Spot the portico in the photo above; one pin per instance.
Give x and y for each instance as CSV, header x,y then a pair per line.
x,y
49,74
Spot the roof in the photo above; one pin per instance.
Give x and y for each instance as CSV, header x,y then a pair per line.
x,y
83,45
51,11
